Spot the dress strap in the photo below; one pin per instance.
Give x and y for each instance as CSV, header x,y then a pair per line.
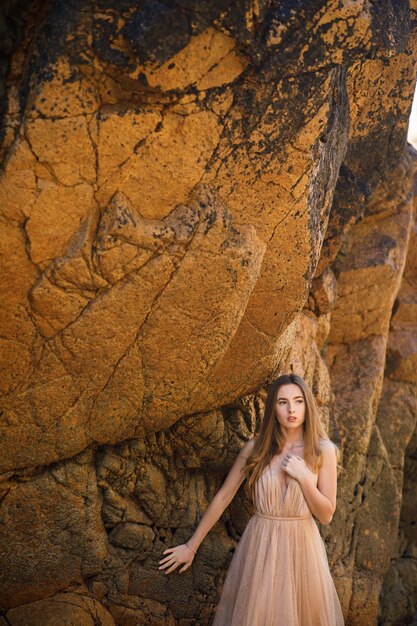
x,y
301,517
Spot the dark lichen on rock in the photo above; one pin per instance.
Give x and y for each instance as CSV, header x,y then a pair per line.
x,y
197,196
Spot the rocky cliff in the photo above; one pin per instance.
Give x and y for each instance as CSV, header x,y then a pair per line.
x,y
196,197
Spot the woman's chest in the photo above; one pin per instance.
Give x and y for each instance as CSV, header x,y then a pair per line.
x,y
275,472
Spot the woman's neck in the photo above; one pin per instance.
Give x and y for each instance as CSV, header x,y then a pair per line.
x,y
293,437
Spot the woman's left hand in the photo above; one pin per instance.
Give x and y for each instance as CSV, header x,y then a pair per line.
x,y
295,467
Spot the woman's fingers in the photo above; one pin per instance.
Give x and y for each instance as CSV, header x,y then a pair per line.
x,y
166,559
288,458
171,569
174,559
169,558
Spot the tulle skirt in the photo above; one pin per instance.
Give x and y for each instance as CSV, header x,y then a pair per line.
x,y
279,576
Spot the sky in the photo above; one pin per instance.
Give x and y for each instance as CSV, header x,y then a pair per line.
x,y
412,128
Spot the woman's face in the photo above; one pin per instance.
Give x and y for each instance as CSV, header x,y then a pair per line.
x,y
290,406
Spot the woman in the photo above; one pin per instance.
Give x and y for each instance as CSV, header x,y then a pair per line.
x,y
279,574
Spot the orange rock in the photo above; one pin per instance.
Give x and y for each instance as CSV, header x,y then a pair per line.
x,y
193,202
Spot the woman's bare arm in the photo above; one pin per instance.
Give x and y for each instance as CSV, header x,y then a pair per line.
x,y
223,497
184,553
321,500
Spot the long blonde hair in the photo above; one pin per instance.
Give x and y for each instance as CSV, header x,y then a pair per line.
x,y
270,439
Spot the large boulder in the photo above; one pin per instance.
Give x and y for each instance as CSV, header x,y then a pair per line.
x,y
195,197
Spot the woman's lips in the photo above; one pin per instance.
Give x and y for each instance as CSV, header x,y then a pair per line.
x,y
291,419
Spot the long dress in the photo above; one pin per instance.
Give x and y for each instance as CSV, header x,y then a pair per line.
x,y
279,574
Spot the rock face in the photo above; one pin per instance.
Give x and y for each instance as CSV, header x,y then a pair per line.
x,y
197,197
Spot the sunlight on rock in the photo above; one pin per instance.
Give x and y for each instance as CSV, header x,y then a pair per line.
x,y
412,127
196,197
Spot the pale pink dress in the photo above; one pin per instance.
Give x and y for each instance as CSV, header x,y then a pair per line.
x,y
279,574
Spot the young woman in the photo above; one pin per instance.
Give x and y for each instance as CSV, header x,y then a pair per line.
x,y
279,574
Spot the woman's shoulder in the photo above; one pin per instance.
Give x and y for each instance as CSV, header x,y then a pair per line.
x,y
326,444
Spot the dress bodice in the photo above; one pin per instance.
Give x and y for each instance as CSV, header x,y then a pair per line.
x,y
278,494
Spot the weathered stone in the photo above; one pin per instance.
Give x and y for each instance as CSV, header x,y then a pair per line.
x,y
134,536
52,534
68,608
149,612
356,354
324,291
397,424
194,200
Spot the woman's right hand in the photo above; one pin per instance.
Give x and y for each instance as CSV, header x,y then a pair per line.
x,y
180,555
